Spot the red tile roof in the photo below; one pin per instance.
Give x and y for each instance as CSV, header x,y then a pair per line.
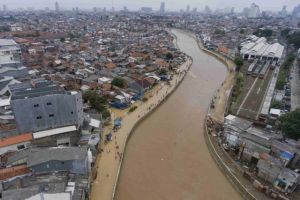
x,y
13,171
15,139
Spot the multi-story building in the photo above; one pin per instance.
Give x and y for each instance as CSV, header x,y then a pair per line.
x,y
42,105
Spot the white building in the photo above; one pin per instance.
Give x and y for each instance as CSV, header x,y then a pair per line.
x,y
259,48
252,12
9,47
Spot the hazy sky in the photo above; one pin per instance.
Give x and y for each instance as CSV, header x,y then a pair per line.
x,y
135,4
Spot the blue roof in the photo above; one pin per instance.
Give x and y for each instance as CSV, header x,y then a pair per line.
x,y
287,155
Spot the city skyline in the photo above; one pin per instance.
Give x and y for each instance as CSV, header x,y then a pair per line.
x,y
155,4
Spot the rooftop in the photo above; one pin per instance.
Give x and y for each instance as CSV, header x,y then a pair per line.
x,y
15,140
7,42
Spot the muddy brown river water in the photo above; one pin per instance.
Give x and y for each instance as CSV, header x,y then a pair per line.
x,y
166,157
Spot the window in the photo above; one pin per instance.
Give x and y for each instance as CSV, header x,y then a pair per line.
x,y
22,146
51,115
36,105
49,103
39,117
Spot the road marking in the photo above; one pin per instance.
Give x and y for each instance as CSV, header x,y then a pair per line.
x,y
258,91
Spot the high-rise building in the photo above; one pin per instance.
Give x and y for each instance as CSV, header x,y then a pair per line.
x,y
232,10
4,8
252,12
162,8
188,8
296,12
56,6
207,10
283,12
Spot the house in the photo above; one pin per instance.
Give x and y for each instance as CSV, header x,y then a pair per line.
x,y
15,143
104,80
257,139
287,180
233,127
5,82
9,46
62,136
59,185
267,170
69,159
11,172
51,196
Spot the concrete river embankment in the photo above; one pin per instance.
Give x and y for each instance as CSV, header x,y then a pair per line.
x,y
166,156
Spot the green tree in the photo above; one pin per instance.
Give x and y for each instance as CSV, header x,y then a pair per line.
x,y
169,56
294,39
263,32
284,71
119,82
162,72
290,124
285,32
219,32
239,62
97,102
37,33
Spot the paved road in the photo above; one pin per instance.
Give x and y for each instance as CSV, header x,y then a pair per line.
x,y
295,86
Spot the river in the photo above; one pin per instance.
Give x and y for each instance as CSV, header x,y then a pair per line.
x,y
166,157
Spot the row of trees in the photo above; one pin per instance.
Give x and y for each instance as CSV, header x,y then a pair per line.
x,y
263,32
291,37
284,71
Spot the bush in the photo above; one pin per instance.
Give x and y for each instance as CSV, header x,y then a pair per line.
x,y
119,82
276,104
238,87
133,108
145,99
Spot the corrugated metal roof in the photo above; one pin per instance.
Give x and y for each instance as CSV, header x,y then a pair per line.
x,y
55,131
